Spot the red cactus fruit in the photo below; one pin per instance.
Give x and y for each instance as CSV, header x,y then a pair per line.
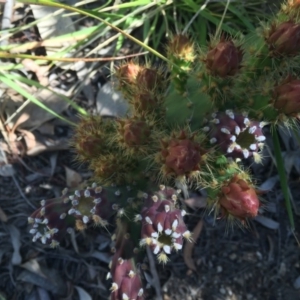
x,y
181,155
52,220
236,135
284,39
127,284
286,97
163,228
134,132
238,198
224,59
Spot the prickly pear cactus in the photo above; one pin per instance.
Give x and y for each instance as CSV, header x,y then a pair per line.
x,y
190,127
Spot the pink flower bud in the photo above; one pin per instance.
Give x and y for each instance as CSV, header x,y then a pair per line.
x,y
287,97
239,199
127,283
163,228
224,59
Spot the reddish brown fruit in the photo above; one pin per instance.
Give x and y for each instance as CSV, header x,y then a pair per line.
x,y
284,39
135,132
91,137
127,73
147,79
294,3
224,59
181,155
89,146
287,97
238,198
150,80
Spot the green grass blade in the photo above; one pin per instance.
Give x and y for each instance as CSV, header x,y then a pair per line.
x,y
202,28
27,95
240,15
128,5
207,15
283,178
96,15
30,82
78,36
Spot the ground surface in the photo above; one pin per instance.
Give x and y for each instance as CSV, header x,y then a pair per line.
x,y
257,263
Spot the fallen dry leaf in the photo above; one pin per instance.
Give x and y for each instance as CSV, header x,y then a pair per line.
x,y
3,216
40,71
33,266
22,118
12,144
267,222
37,143
6,170
52,282
42,294
29,139
189,247
73,178
196,201
47,128
15,235
83,294
38,115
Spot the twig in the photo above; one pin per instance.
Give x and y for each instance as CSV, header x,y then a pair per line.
x,y
155,280
189,246
68,59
